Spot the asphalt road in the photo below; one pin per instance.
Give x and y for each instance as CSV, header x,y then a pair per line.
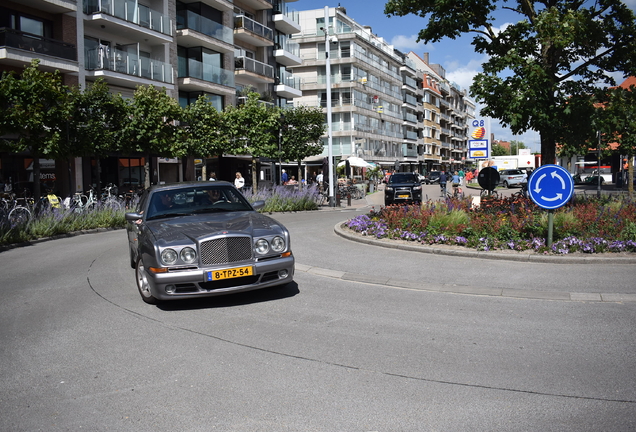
x,y
81,351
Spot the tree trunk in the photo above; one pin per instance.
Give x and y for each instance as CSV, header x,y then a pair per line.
x,y
254,175
300,176
630,176
548,149
36,178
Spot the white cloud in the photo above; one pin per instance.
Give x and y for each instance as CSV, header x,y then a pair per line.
x,y
409,43
462,75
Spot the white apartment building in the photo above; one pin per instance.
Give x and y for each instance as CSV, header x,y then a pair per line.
x,y
216,48
382,111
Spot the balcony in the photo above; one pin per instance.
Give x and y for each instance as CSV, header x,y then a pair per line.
x,y
288,53
125,68
252,32
196,30
253,71
21,48
144,18
288,86
258,4
287,22
409,152
212,74
51,6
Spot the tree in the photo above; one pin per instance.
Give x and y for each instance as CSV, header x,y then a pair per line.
x,y
252,129
616,120
541,68
33,115
203,130
498,150
153,126
96,124
515,146
301,129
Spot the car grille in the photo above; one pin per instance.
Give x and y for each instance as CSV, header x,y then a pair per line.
x,y
226,250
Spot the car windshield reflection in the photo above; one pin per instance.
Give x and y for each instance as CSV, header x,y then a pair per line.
x,y
195,200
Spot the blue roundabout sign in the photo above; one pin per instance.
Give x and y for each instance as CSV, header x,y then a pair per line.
x,y
550,186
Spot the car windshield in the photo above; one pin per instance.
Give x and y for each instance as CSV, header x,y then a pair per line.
x,y
193,200
402,178
515,172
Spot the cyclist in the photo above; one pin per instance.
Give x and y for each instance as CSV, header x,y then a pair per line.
x,y
456,181
442,182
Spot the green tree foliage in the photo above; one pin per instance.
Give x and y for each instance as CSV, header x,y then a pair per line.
x,y
203,130
540,69
616,120
153,126
252,129
97,120
33,114
301,129
498,150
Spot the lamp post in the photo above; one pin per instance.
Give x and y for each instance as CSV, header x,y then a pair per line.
x,y
332,202
280,140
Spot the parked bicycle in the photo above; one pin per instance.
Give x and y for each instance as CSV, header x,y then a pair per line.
x,y
15,211
489,193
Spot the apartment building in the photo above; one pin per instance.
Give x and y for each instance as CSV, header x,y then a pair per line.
x,y
387,107
217,48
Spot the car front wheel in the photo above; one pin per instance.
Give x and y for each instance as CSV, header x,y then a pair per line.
x,y
506,185
142,283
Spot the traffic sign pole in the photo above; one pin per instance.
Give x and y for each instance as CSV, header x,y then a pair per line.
x,y
550,187
550,227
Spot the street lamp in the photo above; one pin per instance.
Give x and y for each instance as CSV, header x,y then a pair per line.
x,y
280,139
328,40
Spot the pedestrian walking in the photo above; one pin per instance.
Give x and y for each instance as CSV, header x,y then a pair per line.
x,y
239,181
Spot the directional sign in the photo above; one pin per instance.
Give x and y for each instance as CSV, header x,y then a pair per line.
x,y
550,186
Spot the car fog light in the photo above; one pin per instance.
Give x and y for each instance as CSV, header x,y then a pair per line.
x,y
170,289
283,274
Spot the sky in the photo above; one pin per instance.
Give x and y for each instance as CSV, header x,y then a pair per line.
x,y
457,56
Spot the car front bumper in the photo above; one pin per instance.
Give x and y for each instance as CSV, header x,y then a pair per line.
x,y
192,283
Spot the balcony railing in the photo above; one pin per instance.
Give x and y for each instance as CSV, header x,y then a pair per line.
x,y
289,80
205,26
243,22
209,73
41,45
251,65
129,64
290,47
130,11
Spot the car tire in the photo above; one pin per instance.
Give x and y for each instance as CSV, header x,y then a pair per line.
x,y
143,286
506,185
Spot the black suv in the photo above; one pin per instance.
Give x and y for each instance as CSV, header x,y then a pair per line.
x,y
432,177
402,188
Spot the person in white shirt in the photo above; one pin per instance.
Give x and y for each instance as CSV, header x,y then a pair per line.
x,y
239,182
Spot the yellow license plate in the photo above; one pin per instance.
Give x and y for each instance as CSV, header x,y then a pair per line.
x,y
230,273
403,196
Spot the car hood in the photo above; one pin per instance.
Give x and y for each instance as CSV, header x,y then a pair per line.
x,y
198,227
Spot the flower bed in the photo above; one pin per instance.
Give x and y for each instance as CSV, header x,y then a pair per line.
x,y
586,225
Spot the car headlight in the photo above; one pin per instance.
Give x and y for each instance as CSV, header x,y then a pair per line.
x,y
261,247
169,256
388,188
188,255
278,244
417,188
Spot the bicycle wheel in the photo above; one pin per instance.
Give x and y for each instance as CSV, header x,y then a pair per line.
x,y
19,215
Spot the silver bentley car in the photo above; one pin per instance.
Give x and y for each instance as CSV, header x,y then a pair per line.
x,y
199,239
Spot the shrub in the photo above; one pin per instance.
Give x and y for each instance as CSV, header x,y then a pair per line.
x,y
586,225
